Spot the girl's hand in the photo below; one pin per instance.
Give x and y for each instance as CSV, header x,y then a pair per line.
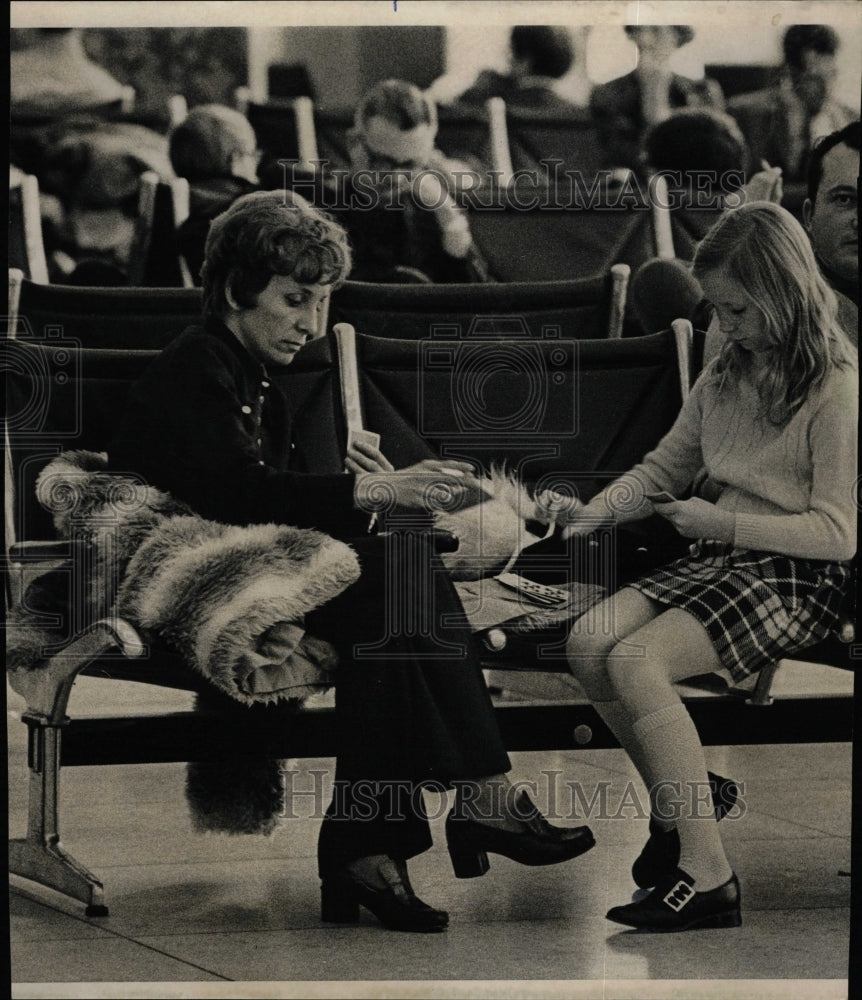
x,y
698,518
585,520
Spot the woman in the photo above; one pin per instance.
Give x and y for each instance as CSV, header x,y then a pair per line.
x,y
209,424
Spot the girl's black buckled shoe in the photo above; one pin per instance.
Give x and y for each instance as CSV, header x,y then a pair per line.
x,y
661,852
675,905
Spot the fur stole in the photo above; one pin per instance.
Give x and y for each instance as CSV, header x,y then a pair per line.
x,y
231,600
491,533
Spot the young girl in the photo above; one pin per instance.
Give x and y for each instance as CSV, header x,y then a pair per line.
x,y
773,421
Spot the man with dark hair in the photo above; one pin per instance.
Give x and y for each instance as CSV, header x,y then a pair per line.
x,y
539,55
781,122
831,216
542,50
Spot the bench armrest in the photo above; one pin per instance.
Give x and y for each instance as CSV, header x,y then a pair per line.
x,y
46,688
41,551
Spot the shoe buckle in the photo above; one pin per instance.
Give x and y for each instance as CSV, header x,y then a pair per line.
x,y
679,895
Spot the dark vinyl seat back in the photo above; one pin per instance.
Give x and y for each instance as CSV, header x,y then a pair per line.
x,y
105,318
463,134
556,234
537,136
59,398
275,128
155,257
26,247
17,241
330,128
567,309
555,411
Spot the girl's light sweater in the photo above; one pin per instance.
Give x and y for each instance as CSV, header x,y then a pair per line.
x,y
792,489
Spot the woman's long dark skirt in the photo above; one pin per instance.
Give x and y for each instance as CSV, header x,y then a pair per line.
x,y
411,702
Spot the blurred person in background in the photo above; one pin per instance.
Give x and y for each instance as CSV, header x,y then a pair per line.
x,y
403,221
215,149
624,108
539,56
782,122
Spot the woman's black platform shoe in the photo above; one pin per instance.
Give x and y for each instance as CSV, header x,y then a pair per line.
x,y
396,906
674,905
660,855
537,842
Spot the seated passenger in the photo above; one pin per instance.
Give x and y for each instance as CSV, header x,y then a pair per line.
x,y
539,55
209,424
774,421
782,122
215,149
405,225
626,107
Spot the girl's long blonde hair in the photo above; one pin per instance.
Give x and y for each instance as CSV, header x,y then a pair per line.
x,y
765,249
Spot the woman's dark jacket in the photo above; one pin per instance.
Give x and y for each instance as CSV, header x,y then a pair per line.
x,y
208,424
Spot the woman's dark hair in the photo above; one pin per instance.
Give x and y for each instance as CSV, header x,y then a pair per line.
x,y
547,48
270,233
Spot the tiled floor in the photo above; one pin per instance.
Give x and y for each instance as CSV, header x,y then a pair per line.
x,y
196,916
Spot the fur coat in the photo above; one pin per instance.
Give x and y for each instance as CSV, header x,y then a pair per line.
x,y
231,600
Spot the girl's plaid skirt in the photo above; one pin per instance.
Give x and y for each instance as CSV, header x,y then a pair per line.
x,y
756,606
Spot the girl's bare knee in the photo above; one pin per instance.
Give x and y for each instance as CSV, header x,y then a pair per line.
x,y
626,665
586,654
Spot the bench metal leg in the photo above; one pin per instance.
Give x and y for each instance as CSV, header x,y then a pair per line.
x,y
40,856
763,687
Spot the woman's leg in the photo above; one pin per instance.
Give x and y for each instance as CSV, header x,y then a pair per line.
x,y
674,646
411,703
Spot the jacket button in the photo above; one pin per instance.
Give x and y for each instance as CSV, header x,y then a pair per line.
x,y
246,409
264,385
261,462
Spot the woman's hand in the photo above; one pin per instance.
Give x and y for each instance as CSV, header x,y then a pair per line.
x,y
426,486
364,457
698,518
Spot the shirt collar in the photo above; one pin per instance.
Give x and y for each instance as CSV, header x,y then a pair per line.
x,y
251,366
